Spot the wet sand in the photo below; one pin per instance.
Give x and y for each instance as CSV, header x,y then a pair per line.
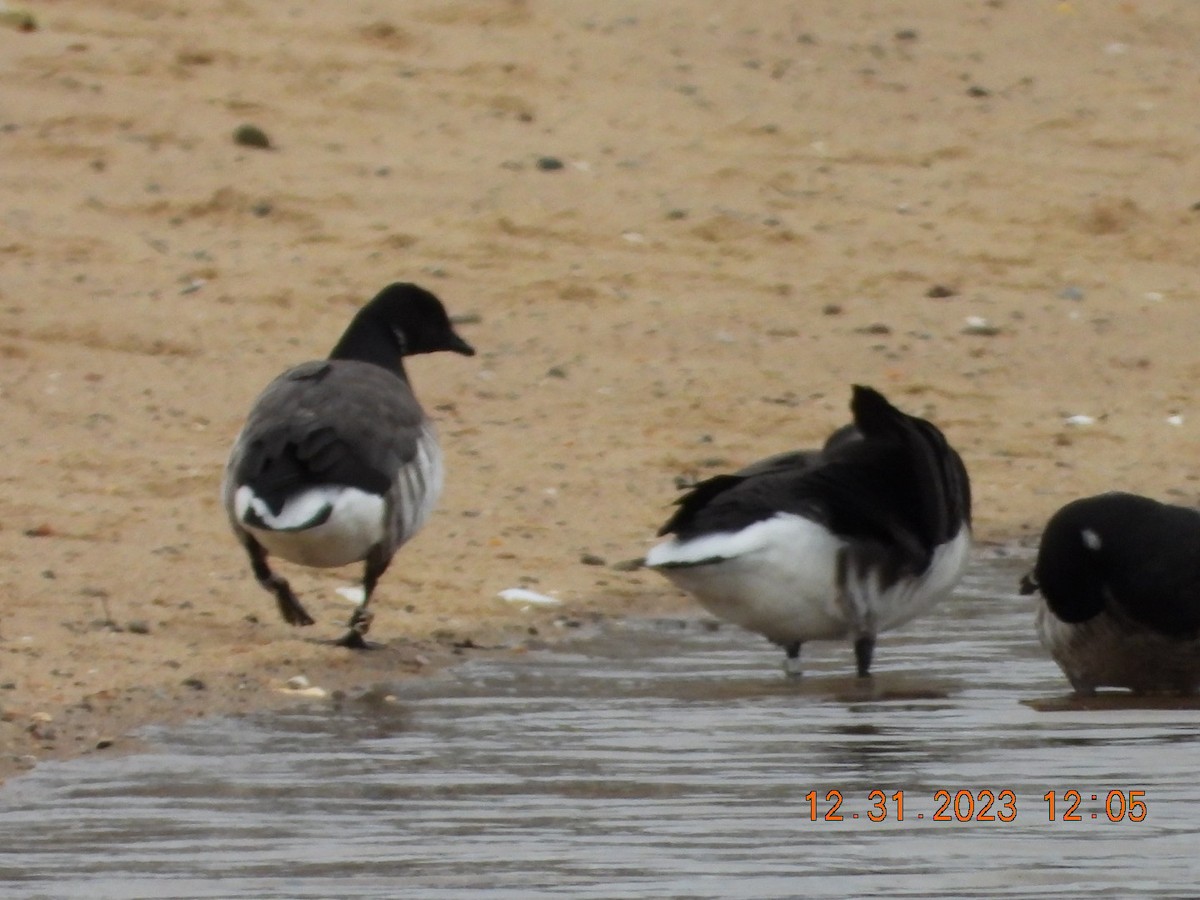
x,y
676,232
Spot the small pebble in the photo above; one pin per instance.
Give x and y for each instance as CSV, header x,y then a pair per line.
x,y
1070,292
18,19
938,291
196,684
138,626
591,559
549,163
251,136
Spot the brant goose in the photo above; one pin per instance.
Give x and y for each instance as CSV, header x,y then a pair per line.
x,y
843,543
337,462
1119,578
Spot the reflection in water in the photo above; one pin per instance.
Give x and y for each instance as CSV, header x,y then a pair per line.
x,y
650,760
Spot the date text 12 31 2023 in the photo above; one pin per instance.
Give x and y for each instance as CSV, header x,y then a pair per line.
x,y
982,805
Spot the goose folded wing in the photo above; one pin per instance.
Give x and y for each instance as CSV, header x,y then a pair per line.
x,y
354,431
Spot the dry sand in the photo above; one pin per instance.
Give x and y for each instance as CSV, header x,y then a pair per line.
x,y
758,205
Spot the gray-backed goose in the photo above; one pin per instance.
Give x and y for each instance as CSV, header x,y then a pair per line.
x,y
1119,577
337,462
856,539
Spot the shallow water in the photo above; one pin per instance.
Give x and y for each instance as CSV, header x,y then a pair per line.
x,y
650,759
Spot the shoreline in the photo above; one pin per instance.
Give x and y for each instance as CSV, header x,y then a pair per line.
x,y
106,721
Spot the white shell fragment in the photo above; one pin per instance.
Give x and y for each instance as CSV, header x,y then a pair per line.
x,y
352,593
299,686
980,325
1175,420
1080,420
524,595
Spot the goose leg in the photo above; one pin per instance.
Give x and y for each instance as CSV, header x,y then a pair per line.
x,y
864,649
289,607
360,620
791,663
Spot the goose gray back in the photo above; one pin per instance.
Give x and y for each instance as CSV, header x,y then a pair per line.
x,y
337,462
845,542
1119,578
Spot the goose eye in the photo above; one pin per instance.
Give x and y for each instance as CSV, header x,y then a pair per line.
x,y
400,339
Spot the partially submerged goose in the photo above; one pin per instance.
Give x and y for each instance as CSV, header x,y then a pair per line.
x,y
1119,578
848,542
337,462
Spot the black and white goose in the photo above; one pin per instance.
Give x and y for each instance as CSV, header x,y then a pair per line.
x,y
337,462
860,538
1119,578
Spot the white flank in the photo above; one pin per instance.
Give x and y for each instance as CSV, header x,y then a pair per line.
x,y
909,597
419,486
778,577
354,526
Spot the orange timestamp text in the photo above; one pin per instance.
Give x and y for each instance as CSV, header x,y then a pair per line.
x,y
979,805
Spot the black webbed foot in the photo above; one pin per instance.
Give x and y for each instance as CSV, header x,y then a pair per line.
x,y
360,624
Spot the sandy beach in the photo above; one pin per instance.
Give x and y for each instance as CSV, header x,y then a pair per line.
x,y
676,232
